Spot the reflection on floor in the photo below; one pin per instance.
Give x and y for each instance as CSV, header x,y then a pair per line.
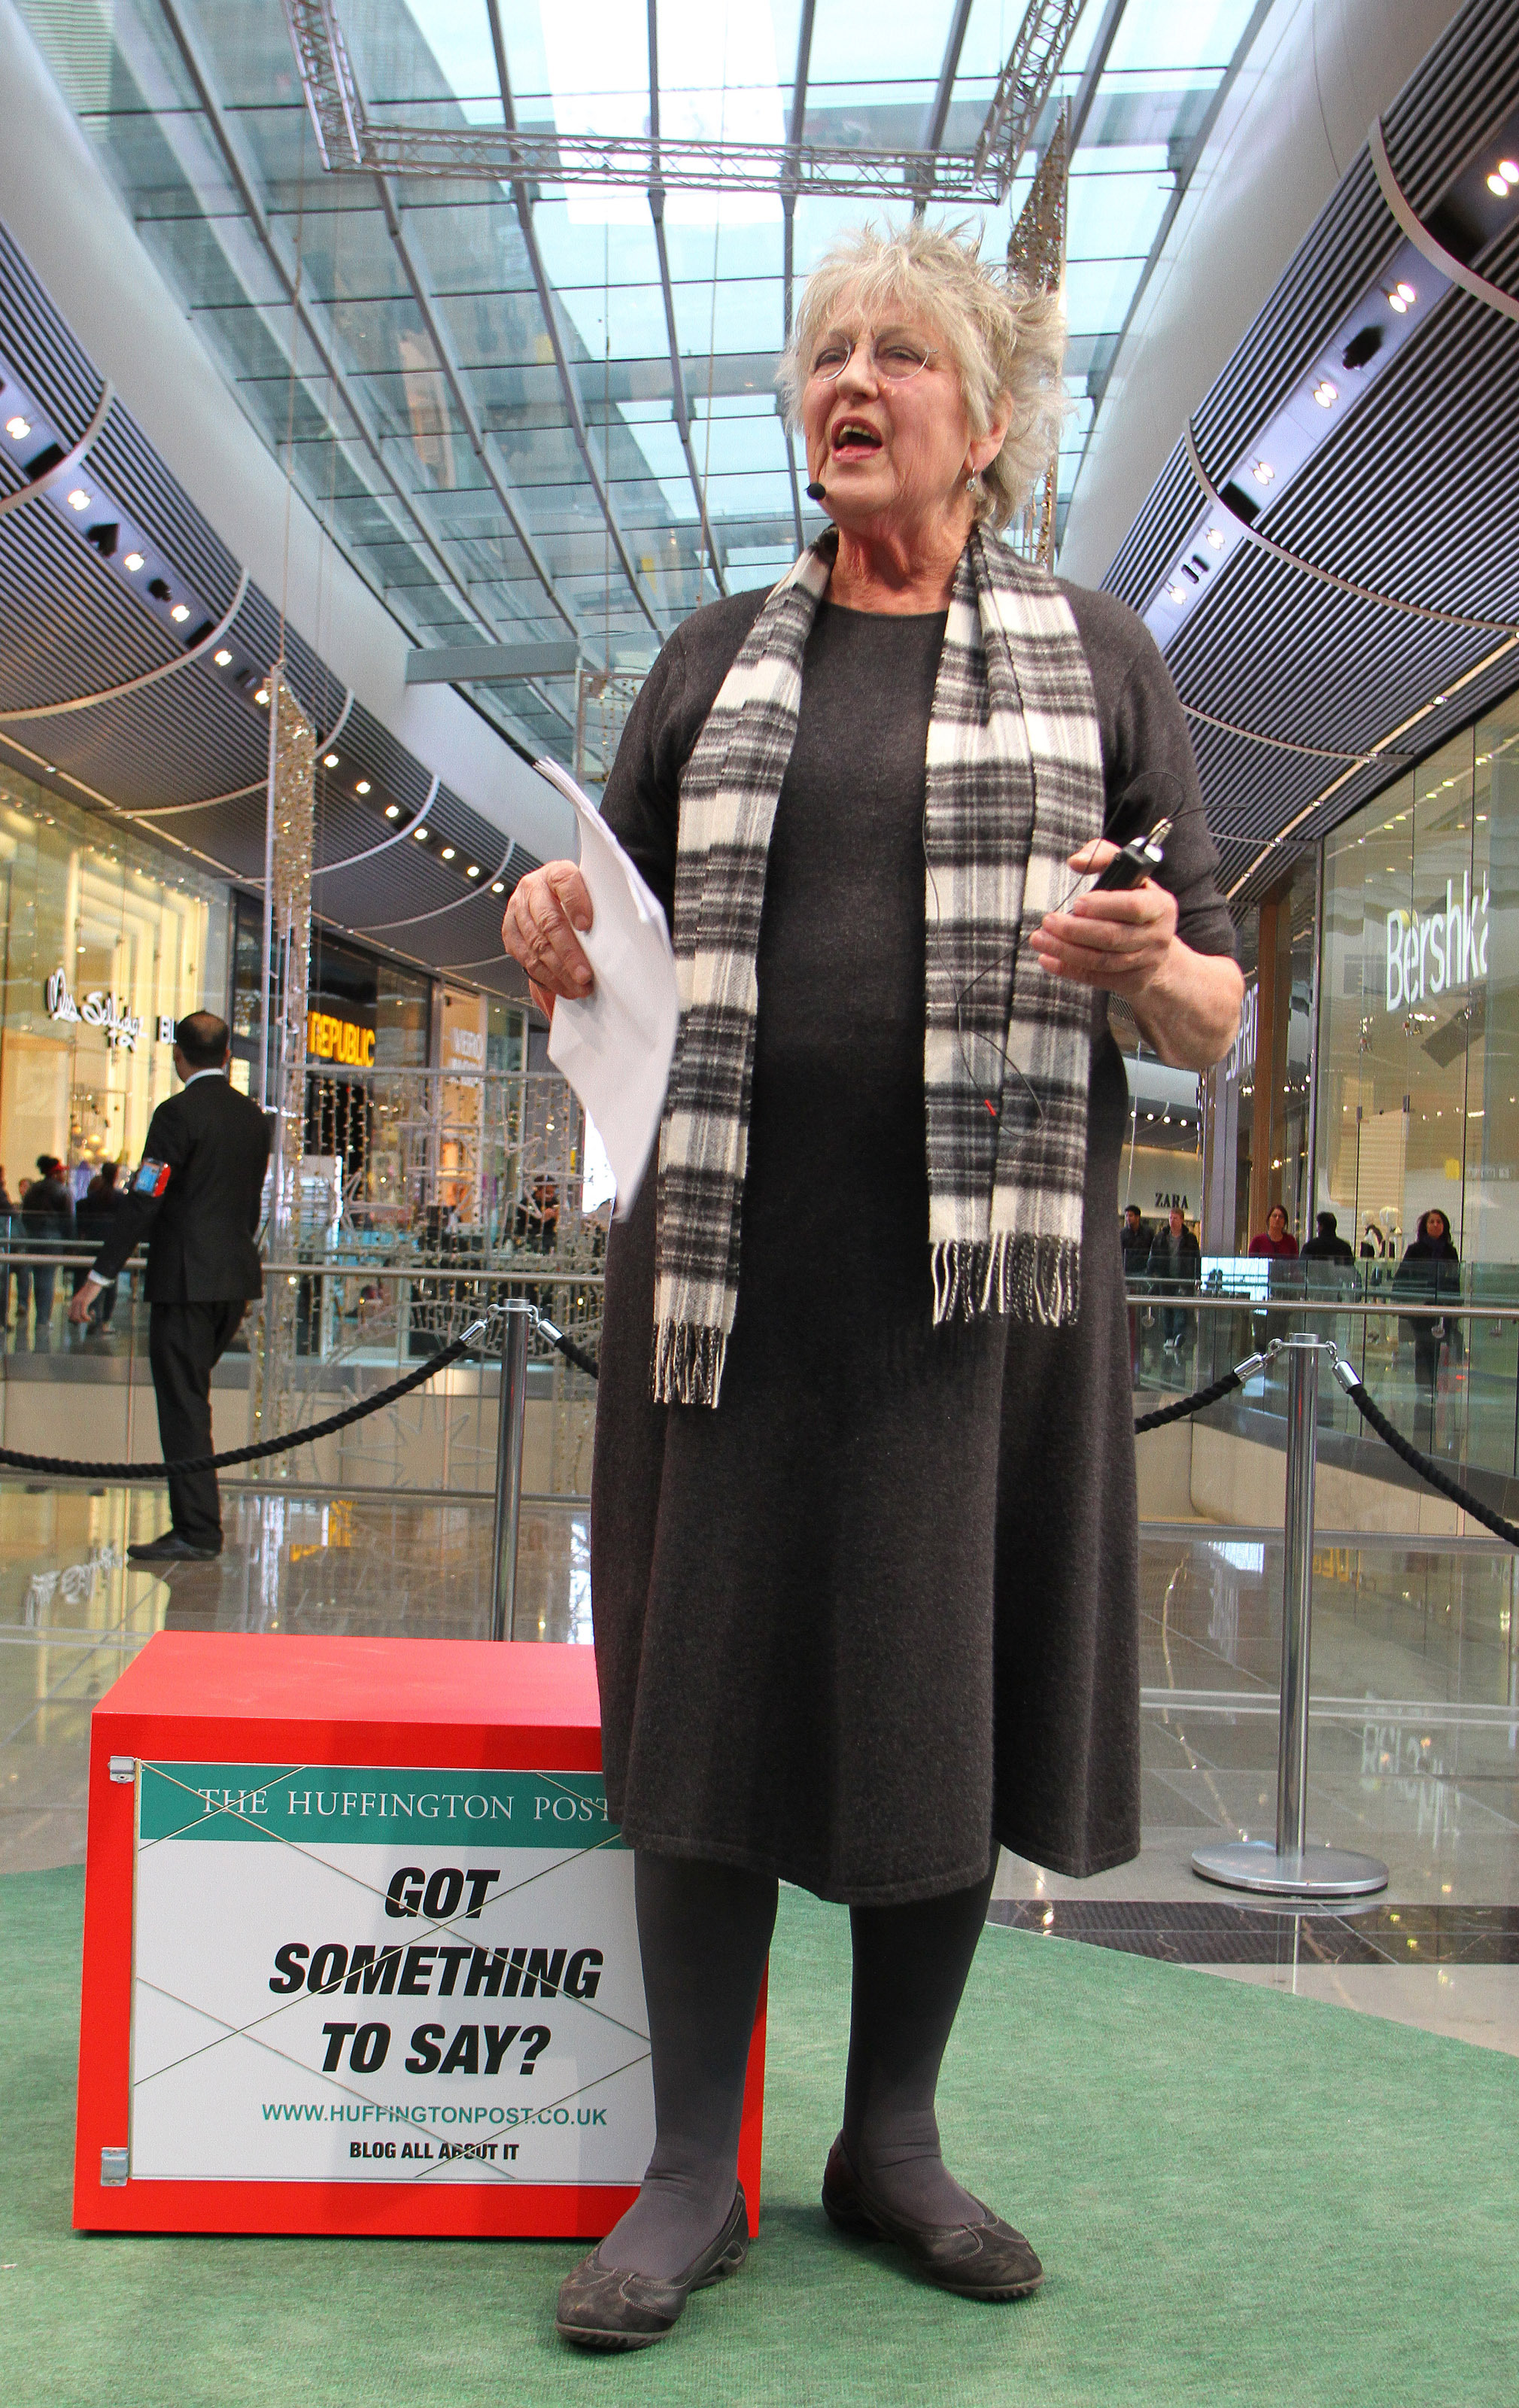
x,y
1415,1751
73,1611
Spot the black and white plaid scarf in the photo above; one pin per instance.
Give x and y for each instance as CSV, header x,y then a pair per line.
x,y
1014,785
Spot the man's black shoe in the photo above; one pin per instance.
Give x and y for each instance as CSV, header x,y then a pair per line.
x,y
171,1549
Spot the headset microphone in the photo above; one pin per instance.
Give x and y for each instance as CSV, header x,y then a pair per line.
x,y
816,490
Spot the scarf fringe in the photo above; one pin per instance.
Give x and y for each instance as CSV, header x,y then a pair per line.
x,y
1030,1278
687,1368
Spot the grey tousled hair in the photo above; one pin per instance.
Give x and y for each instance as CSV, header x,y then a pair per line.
x,y
1003,336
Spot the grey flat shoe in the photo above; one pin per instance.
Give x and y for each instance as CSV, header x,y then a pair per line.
x,y
985,2260
603,2307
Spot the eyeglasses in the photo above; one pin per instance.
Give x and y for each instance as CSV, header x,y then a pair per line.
x,y
894,360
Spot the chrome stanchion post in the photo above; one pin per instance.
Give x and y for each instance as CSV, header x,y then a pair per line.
x,y
1292,1869
509,1467
1297,1598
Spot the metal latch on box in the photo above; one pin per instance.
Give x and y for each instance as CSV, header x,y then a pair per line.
x,y
123,1767
112,2168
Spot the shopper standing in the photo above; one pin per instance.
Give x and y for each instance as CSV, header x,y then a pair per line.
x,y
865,1558
19,1245
1276,1240
195,1200
1328,1245
1176,1262
48,1213
1430,1269
1134,1242
103,1201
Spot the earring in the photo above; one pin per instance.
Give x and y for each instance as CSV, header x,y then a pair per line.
x,y
973,481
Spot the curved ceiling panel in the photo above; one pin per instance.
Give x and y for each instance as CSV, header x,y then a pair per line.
x,y
1407,485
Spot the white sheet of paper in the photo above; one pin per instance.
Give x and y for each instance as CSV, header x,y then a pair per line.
x,y
615,1048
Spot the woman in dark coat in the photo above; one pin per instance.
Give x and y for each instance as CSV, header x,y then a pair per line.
x,y
1430,1269
864,1532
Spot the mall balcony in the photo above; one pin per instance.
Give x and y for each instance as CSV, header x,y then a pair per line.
x,y
383,389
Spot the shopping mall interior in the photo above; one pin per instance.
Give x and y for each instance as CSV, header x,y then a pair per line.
x,y
384,384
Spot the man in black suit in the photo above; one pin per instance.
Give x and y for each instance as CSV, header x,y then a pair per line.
x,y
195,1198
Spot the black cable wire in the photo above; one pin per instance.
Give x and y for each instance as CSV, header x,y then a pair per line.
x,y
1372,1414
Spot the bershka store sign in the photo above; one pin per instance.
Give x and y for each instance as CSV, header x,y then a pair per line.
x,y
1433,954
350,1973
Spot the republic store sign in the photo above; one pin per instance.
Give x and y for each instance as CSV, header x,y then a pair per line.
x,y
1431,953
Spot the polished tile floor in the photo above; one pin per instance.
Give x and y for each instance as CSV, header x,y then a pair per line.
x,y
1414,1731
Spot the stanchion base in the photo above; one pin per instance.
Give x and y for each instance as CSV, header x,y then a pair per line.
x,y
1313,1872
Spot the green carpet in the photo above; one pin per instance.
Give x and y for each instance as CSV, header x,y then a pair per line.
x,y
1240,2197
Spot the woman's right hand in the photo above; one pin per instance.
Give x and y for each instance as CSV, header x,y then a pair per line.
x,y
538,930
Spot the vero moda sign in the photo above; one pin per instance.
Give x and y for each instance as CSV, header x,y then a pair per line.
x,y
1436,952
361,1974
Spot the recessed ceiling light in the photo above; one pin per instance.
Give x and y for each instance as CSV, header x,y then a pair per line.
x,y
262,696
362,786
1508,170
329,760
421,835
448,852
472,870
133,561
223,658
392,810
17,428
1404,290
79,499
1263,472
179,613
1500,180
1325,394
1399,299
1215,537
1177,592
498,888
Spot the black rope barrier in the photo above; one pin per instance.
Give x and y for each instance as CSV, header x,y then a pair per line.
x,y
329,1428
11,1459
1428,1471
1196,1402
567,1348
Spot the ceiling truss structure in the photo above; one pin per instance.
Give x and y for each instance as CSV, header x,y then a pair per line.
x,y
548,303
678,394
352,144
408,510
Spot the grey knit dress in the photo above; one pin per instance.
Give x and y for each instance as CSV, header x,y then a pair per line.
x,y
879,1609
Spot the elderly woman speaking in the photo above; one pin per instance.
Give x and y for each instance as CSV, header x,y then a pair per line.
x,y
864,1526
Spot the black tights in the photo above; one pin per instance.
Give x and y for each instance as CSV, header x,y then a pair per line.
x,y
703,1933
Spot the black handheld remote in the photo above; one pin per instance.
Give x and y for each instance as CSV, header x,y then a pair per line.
x,y
1134,863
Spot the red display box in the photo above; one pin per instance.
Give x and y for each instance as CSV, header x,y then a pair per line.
x,y
359,1946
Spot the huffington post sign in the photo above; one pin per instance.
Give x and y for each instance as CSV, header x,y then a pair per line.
x,y
349,1973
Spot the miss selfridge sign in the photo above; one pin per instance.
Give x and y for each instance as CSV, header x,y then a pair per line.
x,y
354,1973
106,1011
1436,952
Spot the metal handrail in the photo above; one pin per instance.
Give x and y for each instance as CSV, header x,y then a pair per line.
x,y
514,1267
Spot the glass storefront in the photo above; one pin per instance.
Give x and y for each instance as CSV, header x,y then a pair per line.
x,y
1419,1017
107,942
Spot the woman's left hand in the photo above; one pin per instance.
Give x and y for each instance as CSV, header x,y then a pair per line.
x,y
1122,941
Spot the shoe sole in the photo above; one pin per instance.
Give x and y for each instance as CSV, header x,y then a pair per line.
x,y
588,2337
863,2226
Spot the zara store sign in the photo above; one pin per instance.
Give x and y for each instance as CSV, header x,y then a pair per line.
x,y
1436,953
